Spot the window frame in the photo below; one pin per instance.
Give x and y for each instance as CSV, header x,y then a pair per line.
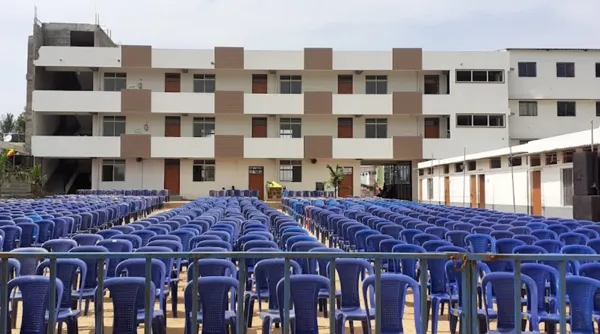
x,y
287,126
290,171
527,69
565,69
118,79
204,170
564,110
203,79
597,70
115,166
476,76
110,122
375,123
376,84
200,124
495,163
597,108
293,83
528,108
566,190
473,120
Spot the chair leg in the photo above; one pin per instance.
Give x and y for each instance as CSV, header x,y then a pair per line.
x,y
249,302
174,298
87,307
13,315
266,325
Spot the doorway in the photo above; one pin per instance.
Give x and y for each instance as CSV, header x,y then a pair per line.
x,y
345,127
347,186
172,82
172,176
259,83
481,191
447,190
172,126
473,190
259,127
256,180
432,127
345,84
536,192
432,84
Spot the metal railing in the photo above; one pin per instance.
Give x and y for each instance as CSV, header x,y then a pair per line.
x,y
466,264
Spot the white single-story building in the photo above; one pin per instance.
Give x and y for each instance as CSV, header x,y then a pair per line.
x,y
539,182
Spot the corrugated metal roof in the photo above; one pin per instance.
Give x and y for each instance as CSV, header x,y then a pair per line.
x,y
564,142
551,49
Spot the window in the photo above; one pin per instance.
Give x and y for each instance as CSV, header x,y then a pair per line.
x,y
495,163
430,189
597,108
567,186
515,161
551,158
115,82
113,126
565,109
472,165
203,171
458,167
480,120
535,161
290,128
204,83
204,126
290,171
430,171
597,70
375,128
565,70
446,169
528,108
527,69
113,170
421,172
478,76
290,84
567,157
376,84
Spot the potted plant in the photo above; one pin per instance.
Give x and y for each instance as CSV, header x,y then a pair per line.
x,y
336,176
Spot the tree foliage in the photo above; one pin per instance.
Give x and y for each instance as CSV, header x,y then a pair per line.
x,y
336,176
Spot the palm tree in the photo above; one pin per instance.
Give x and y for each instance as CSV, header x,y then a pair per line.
x,y
336,176
34,177
7,124
6,169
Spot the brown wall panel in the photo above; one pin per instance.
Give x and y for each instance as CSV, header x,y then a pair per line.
x,y
318,147
407,103
135,146
319,59
229,102
139,56
229,58
407,59
408,147
229,146
318,103
136,101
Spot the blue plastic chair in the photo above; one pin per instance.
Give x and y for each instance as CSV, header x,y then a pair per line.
x,y
392,302
304,295
59,245
35,291
67,271
503,285
216,305
268,273
581,292
349,271
544,276
128,296
87,239
91,282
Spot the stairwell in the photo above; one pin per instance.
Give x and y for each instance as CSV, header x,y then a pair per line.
x,y
64,174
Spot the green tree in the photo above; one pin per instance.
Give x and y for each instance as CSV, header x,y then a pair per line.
x,y
32,176
336,176
8,123
21,123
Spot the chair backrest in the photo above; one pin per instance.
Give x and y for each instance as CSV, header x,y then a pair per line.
x,y
35,292
581,291
212,267
270,272
349,271
92,264
128,294
29,265
67,271
137,268
215,296
304,294
87,239
392,301
59,245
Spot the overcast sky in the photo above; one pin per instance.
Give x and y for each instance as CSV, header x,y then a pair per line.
x,y
295,24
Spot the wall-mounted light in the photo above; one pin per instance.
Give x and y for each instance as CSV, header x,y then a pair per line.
x,y
146,127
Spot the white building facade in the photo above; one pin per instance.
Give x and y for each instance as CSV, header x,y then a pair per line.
x,y
196,120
